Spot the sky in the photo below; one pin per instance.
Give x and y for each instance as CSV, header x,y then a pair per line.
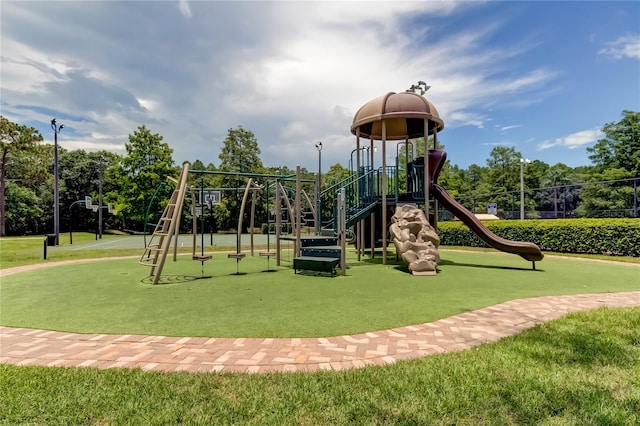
x,y
543,77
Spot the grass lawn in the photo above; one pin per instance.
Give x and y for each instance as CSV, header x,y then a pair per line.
x,y
114,296
583,369
18,251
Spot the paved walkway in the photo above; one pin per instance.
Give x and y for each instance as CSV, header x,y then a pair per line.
x,y
22,346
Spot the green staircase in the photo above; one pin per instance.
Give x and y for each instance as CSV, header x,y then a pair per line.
x,y
362,194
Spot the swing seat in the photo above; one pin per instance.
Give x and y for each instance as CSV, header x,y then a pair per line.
x,y
267,254
236,256
202,257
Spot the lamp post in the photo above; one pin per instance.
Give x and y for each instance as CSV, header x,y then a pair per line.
x,y
101,165
319,190
362,148
56,202
522,163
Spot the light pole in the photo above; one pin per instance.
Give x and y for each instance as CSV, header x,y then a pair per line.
x,y
522,163
56,202
363,148
319,190
101,165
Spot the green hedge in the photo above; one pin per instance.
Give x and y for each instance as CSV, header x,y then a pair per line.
x,y
615,237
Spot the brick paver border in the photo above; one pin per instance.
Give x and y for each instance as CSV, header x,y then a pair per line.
x,y
21,346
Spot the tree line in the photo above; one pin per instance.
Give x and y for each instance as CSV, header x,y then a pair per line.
x,y
605,185
130,181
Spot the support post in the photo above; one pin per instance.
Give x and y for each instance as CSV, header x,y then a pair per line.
x,y
384,192
278,224
194,224
343,232
253,217
635,197
426,182
373,214
319,192
101,178
435,200
359,191
297,212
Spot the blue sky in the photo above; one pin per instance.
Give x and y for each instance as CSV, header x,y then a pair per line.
x,y
543,77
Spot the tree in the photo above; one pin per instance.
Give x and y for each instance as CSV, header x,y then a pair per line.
x,y
81,176
25,214
147,163
504,176
556,176
620,148
607,195
32,169
615,157
336,174
240,153
13,139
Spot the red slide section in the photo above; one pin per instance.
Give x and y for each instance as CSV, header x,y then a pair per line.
x,y
527,251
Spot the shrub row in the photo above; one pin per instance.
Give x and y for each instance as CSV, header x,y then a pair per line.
x,y
614,237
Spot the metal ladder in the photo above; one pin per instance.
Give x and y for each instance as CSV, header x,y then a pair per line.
x,y
155,253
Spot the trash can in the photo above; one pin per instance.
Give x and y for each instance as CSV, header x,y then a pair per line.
x,y
51,239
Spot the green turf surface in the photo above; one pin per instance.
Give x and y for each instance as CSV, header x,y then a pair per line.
x,y
17,251
583,369
117,297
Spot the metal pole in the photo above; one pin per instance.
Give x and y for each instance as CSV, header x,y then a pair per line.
x,y
635,197
278,210
211,221
384,192
56,185
343,233
56,195
522,161
425,182
521,189
100,199
435,200
297,213
319,198
371,183
70,226
359,188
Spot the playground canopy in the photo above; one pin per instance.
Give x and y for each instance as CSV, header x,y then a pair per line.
x,y
404,115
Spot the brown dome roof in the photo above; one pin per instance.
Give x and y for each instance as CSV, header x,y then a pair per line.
x,y
404,114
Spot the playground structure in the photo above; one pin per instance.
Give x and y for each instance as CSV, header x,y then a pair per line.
x,y
363,201
374,192
415,239
165,233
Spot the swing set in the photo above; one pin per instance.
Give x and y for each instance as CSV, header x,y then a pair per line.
x,y
167,228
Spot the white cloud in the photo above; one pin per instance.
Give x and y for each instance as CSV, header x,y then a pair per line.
x,y
623,47
91,145
497,143
295,130
185,9
292,72
505,128
574,140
